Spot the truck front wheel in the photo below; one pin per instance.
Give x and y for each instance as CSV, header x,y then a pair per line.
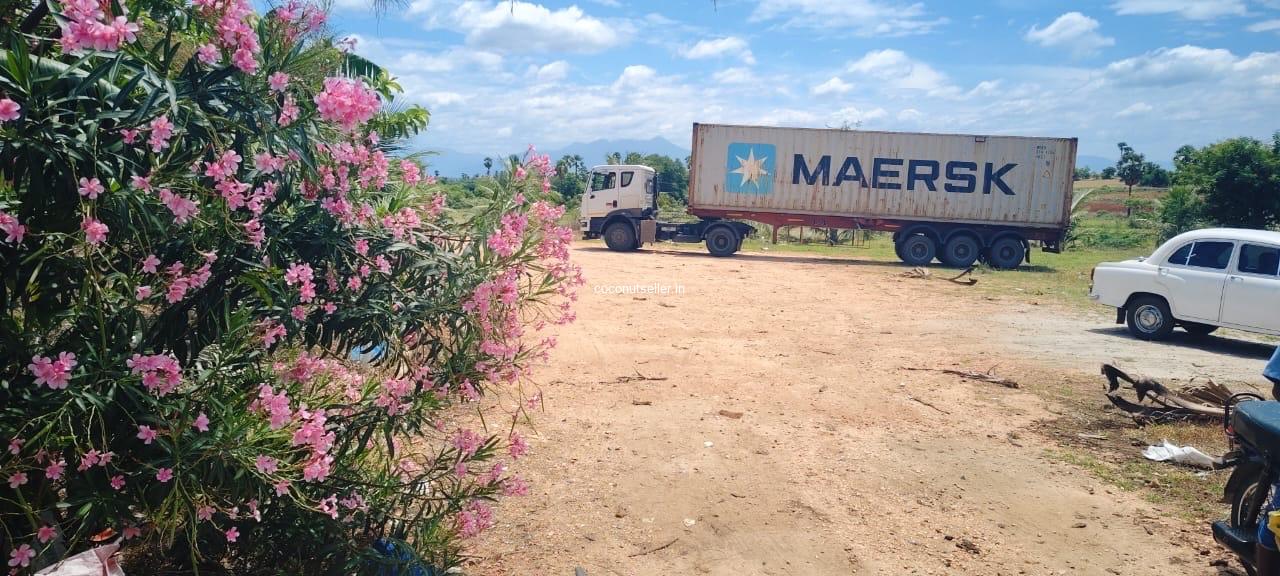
x,y
722,241
620,236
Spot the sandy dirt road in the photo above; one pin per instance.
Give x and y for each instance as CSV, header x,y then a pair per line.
x,y
834,466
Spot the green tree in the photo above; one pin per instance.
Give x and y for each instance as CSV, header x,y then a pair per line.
x,y
613,158
1108,173
1239,181
1129,169
1083,173
570,178
1154,176
634,158
488,166
1181,210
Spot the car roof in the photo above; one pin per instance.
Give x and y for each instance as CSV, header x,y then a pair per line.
x,y
622,167
1244,234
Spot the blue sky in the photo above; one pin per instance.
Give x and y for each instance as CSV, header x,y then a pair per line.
x,y
498,75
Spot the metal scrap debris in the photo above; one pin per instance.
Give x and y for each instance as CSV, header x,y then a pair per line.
x,y
1158,403
924,273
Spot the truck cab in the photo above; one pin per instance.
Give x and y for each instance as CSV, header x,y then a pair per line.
x,y
621,206
618,194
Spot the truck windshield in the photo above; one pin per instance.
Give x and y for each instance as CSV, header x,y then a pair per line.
x,y
602,181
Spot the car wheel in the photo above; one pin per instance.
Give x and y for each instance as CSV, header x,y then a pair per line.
x,y
918,250
1149,318
620,237
1198,329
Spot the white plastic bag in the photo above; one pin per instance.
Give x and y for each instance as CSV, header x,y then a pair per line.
x,y
1179,454
99,561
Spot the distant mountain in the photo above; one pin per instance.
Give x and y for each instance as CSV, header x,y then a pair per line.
x,y
1095,163
453,163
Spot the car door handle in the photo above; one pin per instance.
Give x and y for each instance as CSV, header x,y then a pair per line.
x,y
1164,271
592,197
1236,278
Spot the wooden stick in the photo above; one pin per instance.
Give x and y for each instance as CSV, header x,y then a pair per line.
x,y
651,551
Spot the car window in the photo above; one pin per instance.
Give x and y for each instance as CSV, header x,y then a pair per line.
x,y
1215,255
602,181
1181,255
1256,259
626,178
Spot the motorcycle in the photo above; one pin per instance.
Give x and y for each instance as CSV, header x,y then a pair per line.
x,y
1252,424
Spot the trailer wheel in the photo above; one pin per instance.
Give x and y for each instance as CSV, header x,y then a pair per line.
x,y
961,251
620,236
917,250
1007,253
722,241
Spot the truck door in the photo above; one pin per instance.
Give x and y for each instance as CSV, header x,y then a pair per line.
x,y
1194,277
1253,289
603,194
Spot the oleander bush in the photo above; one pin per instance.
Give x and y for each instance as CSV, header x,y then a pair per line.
x,y
239,333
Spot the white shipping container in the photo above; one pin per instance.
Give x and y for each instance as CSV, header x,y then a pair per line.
x,y
1011,181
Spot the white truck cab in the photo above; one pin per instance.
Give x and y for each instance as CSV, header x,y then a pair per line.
x,y
618,191
1201,280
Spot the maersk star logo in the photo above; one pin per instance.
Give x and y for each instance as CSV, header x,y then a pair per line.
x,y
750,168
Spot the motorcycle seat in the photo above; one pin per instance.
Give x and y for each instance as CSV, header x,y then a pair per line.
x,y
1258,423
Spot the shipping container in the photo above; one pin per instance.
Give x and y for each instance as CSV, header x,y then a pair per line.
x,y
955,197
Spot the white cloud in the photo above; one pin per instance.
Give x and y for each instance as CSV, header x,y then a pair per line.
x,y
853,116
897,70
1171,66
1189,9
609,3
859,17
1074,31
1265,26
440,99
727,46
1135,109
910,115
523,26
634,76
736,75
833,86
552,72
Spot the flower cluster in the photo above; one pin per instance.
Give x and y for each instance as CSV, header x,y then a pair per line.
x,y
89,27
346,102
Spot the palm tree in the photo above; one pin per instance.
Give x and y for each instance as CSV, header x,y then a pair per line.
x,y
488,165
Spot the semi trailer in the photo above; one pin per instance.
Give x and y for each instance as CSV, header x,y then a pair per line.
x,y
952,197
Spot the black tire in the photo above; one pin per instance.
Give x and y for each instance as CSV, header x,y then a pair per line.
x,y
917,250
620,236
722,241
961,251
1149,318
1007,253
1198,330
1246,507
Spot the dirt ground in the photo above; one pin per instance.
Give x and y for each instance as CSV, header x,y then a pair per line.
x,y
760,422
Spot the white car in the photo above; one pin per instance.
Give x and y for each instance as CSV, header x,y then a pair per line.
x,y
1201,280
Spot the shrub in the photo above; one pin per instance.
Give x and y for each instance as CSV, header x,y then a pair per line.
x,y
1181,210
200,220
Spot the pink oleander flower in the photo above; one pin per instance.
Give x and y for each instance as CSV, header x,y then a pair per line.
x,y
21,556
91,188
14,230
266,464
56,374
346,102
517,446
15,446
476,518
289,111
298,313
9,110
164,475
384,265
183,208
282,487
208,54
150,264
362,247
467,442
205,512
146,434
46,533
117,483
54,471
17,479
515,486
95,232
89,460
412,174
244,59
201,423
279,82
232,534
130,532
141,182
142,293
161,130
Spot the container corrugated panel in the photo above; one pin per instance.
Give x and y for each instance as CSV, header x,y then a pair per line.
x,y
1000,180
